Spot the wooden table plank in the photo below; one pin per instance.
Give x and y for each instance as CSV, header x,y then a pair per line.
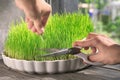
x,y
117,67
91,73
103,72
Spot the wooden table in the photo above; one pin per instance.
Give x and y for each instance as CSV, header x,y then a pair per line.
x,y
90,73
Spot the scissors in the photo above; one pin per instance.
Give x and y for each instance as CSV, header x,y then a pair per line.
x,y
76,51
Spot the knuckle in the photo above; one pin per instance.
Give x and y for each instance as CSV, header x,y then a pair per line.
x,y
88,35
50,8
97,39
46,12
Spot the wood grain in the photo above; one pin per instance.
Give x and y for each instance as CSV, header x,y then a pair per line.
x,y
91,73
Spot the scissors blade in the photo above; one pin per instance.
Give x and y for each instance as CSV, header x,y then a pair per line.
x,y
58,53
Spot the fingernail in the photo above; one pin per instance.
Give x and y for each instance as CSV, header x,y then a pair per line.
x,y
42,30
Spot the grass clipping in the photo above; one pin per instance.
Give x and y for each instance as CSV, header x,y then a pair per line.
x,y
60,32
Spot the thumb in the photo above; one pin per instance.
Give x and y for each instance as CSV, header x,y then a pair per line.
x,y
95,57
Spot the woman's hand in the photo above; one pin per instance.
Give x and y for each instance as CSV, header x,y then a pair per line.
x,y
37,13
105,50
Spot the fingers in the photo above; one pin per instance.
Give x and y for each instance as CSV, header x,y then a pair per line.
x,y
101,58
35,26
93,35
29,23
86,43
45,17
39,26
44,20
94,50
100,46
27,19
96,58
33,30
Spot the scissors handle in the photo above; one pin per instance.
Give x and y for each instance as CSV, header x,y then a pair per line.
x,y
85,59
